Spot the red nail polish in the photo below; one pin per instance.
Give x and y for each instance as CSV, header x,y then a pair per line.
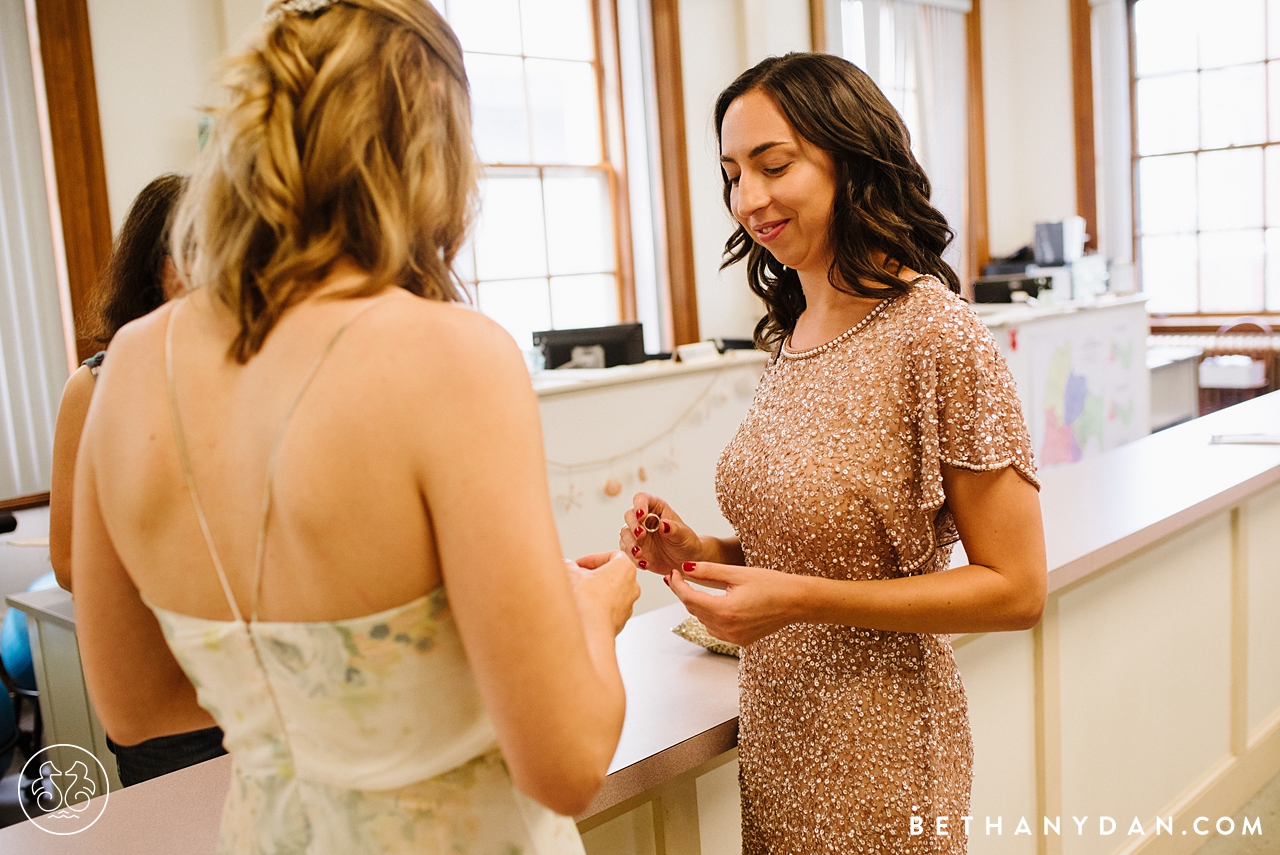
x,y
666,580
689,566
635,550
666,527
644,565
639,514
639,531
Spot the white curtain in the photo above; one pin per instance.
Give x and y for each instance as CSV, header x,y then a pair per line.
x,y
33,348
917,53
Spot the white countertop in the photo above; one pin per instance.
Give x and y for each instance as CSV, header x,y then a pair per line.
x,y
682,701
549,383
1009,314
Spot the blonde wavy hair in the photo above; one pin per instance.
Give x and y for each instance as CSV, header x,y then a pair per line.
x,y
346,134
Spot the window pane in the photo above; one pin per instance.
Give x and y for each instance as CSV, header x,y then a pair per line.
x,y
1231,189
499,121
490,26
579,223
510,238
1165,32
521,306
1233,107
1273,95
1273,270
1168,114
464,263
1167,193
1232,32
1273,28
559,29
565,111
1273,185
1169,273
584,301
1231,271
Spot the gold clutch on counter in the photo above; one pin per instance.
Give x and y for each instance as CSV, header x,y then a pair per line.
x,y
691,629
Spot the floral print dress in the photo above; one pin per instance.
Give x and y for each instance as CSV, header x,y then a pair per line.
x,y
350,737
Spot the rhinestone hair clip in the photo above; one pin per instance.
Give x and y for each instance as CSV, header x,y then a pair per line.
x,y
304,7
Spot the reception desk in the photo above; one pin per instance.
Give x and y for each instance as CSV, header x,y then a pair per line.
x,y
1149,692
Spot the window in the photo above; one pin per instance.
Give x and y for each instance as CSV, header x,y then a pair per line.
x,y
917,54
547,251
1206,173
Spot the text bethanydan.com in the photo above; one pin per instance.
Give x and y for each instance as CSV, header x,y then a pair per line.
x,y
1104,826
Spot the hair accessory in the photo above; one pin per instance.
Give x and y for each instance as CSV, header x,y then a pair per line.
x,y
651,523
305,7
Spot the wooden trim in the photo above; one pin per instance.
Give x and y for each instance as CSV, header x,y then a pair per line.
x,y
818,26
21,503
1133,148
979,249
1199,324
1082,100
66,54
612,124
675,171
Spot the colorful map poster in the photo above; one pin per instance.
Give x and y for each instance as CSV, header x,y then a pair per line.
x,y
1082,378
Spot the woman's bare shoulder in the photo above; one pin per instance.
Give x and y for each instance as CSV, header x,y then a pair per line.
x,y
449,336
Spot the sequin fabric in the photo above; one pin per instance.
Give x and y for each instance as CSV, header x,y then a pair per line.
x,y
846,733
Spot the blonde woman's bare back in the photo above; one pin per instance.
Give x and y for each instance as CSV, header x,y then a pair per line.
x,y
412,663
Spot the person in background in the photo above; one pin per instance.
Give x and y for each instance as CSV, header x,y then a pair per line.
x,y
139,278
886,428
311,502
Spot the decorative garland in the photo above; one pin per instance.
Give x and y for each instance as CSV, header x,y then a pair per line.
x,y
636,458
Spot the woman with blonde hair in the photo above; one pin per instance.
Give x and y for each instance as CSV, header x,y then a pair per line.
x,y
311,502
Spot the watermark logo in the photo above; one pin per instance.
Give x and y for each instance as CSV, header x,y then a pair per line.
x,y
59,790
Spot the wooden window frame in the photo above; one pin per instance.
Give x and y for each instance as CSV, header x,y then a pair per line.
x,y
75,138
1189,322
67,94
674,159
606,65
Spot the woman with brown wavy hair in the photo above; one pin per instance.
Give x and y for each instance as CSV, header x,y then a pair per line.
x,y
140,278
311,502
885,428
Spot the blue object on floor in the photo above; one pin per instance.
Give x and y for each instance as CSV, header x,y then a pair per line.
x,y
15,644
8,730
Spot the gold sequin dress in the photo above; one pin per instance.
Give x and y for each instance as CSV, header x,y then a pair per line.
x,y
846,733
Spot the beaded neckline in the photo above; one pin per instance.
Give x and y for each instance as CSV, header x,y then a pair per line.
x,y
787,353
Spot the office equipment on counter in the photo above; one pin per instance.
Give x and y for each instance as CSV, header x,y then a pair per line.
x,y
1090,277
621,344
1060,242
1001,289
698,351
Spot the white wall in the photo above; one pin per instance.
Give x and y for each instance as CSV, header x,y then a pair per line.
x,y
720,39
1026,69
154,61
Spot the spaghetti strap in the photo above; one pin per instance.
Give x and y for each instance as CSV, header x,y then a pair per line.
x,y
184,458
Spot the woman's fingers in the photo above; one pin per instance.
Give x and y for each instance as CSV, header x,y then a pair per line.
x,y
710,574
595,560
699,603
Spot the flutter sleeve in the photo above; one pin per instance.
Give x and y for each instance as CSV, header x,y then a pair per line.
x,y
971,417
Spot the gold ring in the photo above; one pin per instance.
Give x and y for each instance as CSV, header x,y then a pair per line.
x,y
651,523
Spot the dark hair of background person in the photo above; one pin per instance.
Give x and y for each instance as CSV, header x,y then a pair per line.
x,y
882,195
132,283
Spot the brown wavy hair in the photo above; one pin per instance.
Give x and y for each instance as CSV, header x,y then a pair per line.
x,y
882,207
132,285
346,134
